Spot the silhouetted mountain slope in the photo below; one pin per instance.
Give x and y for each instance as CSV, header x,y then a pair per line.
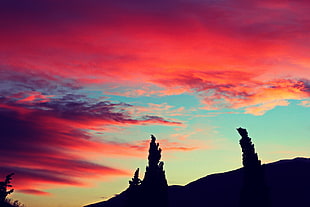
x,y
288,182
118,200
7,205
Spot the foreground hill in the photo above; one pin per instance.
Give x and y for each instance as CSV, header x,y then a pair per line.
x,y
288,182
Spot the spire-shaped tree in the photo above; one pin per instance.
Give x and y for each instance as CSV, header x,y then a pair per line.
x,y
154,153
254,192
154,184
152,191
249,156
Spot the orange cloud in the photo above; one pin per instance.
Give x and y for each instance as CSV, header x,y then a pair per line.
x,y
305,103
264,107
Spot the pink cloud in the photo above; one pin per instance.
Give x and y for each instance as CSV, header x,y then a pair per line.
x,y
52,142
142,40
238,90
34,192
249,55
224,51
32,97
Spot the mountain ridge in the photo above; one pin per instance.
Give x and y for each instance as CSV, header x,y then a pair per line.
x,y
288,182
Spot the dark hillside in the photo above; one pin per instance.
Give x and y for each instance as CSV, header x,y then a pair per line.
x,y
288,182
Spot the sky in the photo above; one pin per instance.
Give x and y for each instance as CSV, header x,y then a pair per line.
x,y
84,83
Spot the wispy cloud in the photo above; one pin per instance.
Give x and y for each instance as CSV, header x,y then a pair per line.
x,y
50,141
34,192
240,90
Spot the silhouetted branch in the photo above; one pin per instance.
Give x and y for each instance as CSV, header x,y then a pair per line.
x,y
3,188
135,180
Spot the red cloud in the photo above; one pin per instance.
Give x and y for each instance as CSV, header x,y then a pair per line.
x,y
52,145
41,153
49,142
249,55
139,41
32,97
224,55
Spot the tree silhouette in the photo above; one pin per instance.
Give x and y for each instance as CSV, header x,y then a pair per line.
x,y
154,185
3,188
254,192
134,191
249,157
152,191
135,181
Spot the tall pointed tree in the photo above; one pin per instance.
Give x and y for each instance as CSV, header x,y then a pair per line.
x,y
154,184
249,156
254,192
152,191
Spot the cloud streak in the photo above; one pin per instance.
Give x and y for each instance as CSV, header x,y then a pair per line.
x,y
238,90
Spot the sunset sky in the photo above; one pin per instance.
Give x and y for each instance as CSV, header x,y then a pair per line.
x,y
84,83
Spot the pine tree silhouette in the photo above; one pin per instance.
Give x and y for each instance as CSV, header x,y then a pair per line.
x,y
254,192
3,188
154,185
152,191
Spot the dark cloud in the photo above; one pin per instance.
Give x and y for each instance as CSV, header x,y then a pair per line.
x,y
18,80
159,120
304,85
